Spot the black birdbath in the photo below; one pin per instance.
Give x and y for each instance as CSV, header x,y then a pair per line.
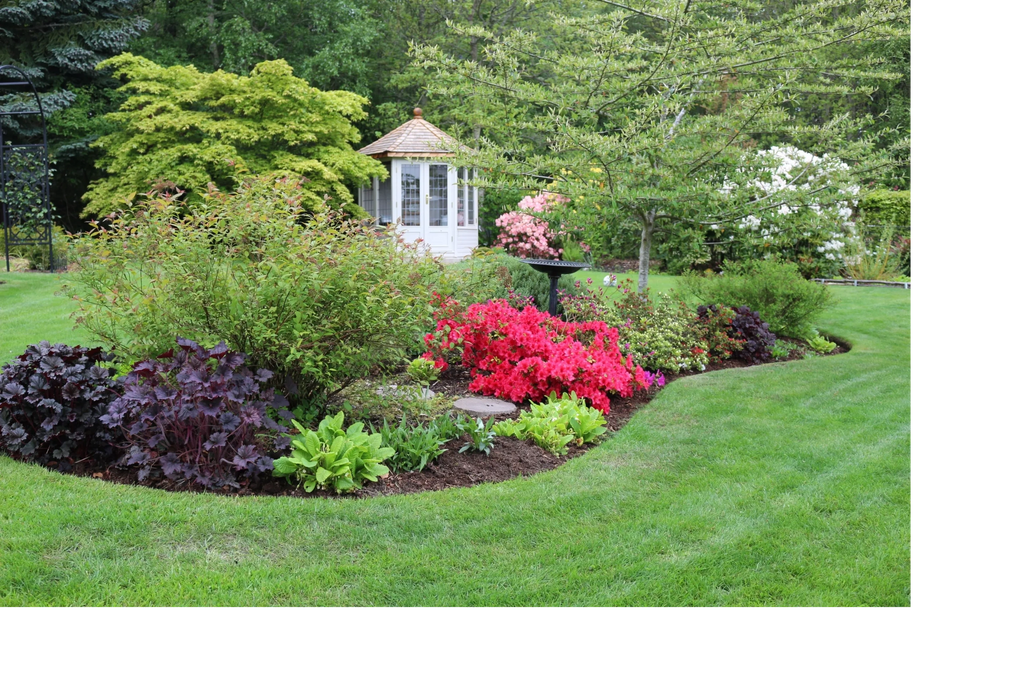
x,y
554,269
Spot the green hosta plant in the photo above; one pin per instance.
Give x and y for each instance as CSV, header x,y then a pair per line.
x,y
333,457
423,371
508,428
481,436
821,345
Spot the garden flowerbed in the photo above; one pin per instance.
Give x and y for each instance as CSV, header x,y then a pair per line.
x,y
510,457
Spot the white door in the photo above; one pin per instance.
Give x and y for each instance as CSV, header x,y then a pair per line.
x,y
425,205
410,200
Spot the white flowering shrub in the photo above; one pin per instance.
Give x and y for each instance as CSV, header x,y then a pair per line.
x,y
801,210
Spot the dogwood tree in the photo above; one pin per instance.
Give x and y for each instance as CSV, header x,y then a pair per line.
x,y
641,113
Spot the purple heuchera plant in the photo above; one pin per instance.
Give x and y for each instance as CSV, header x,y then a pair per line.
x,y
200,417
755,334
52,398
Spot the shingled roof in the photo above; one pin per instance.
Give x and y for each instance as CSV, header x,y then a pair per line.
x,y
417,137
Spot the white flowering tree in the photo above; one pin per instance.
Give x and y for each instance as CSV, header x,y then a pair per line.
x,y
640,110
799,226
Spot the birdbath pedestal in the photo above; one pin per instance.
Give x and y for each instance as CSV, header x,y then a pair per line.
x,y
554,269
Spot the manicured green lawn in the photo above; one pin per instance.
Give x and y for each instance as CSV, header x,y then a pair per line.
x,y
29,313
659,284
780,485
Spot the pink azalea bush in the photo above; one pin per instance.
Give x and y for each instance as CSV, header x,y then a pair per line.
x,y
520,354
526,236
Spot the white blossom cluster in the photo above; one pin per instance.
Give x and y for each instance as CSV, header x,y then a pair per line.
x,y
782,191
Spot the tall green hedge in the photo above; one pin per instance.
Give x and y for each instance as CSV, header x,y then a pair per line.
x,y
886,208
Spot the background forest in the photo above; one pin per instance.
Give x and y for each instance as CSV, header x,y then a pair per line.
x,y
361,47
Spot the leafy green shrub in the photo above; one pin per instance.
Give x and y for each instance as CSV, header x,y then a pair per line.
x,y
52,401
782,350
662,337
555,423
379,399
786,301
881,209
317,300
333,457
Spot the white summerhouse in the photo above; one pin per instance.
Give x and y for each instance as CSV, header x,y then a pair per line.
x,y
424,196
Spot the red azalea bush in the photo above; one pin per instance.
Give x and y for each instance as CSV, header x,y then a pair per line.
x,y
520,354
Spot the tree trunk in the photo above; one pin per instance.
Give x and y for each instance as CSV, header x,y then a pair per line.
x,y
211,21
645,243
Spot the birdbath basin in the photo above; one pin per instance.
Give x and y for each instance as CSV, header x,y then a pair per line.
x,y
554,269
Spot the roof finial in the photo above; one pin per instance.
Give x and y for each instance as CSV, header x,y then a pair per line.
x,y
417,113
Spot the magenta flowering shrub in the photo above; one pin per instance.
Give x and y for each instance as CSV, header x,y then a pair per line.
x,y
527,354
525,235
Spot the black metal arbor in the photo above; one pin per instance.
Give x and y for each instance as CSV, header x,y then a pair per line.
x,y
24,167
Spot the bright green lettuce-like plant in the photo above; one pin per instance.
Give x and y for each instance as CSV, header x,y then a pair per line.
x,y
555,423
423,371
333,457
821,345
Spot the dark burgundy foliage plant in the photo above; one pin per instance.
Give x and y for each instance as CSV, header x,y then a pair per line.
x,y
753,336
52,399
199,418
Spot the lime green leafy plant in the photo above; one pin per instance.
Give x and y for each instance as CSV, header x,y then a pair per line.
x,y
555,423
179,126
333,457
821,345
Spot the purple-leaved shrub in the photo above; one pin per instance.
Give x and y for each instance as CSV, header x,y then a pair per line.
x,y
52,399
199,418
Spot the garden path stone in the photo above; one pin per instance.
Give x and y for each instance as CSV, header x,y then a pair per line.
x,y
485,407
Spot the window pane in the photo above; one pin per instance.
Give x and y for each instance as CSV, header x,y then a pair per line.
x,y
367,199
438,194
472,198
410,194
461,198
385,197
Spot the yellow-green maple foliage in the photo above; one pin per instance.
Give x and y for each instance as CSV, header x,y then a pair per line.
x,y
182,126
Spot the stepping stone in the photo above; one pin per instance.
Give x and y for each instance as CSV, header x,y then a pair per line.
x,y
485,407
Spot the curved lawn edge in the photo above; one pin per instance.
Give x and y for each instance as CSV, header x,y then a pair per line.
x,y
700,499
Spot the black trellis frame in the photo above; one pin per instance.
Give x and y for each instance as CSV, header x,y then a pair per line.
x,y
16,233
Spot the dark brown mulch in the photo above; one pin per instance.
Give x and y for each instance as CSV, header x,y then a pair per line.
x,y
509,459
